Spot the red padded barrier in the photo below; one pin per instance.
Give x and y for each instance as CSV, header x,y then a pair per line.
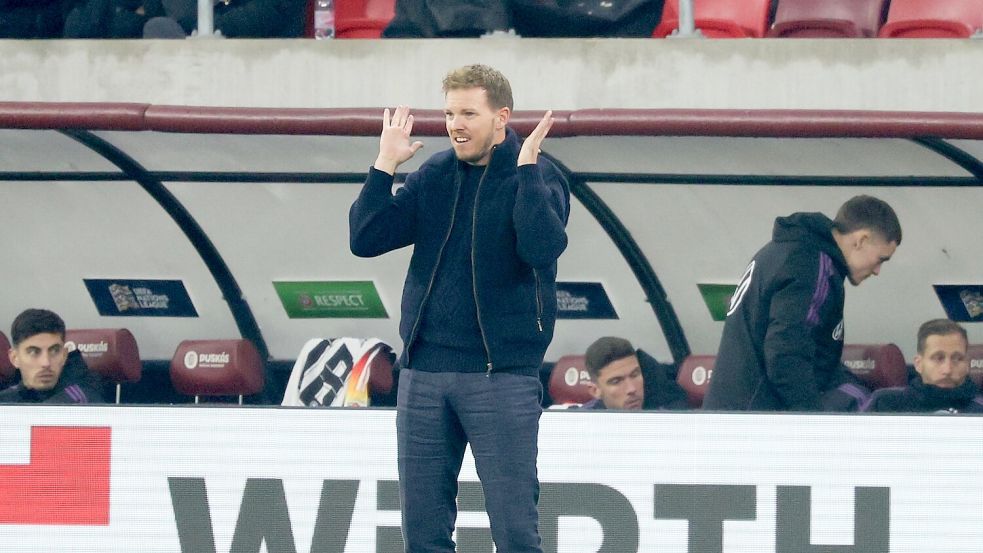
x,y
694,377
49,115
340,121
7,369
431,122
586,122
877,365
525,121
933,19
773,123
110,352
828,18
217,367
193,119
381,371
719,18
568,381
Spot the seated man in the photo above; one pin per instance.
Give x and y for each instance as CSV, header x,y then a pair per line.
x,y
942,382
48,372
623,378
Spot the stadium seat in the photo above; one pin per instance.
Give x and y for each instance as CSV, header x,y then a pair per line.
x,y
569,381
7,370
719,18
362,18
381,371
217,368
694,377
975,354
109,352
828,18
877,365
933,19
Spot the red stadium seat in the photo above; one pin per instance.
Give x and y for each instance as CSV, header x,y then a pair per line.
x,y
877,365
694,377
110,352
828,18
7,369
975,354
719,18
933,19
569,381
362,18
217,368
381,371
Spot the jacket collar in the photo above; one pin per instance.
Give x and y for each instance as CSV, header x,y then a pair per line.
x,y
504,155
944,397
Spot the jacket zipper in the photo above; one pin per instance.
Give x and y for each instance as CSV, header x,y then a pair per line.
x,y
433,275
474,270
539,302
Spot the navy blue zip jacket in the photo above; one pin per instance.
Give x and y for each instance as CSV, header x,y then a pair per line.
x,y
520,215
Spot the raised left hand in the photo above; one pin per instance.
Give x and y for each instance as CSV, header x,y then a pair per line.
x,y
531,145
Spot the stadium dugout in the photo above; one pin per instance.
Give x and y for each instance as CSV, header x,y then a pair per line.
x,y
231,205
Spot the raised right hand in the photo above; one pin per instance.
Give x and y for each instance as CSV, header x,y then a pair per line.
x,y
394,144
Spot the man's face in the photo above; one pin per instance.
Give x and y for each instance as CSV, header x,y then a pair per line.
x,y
472,125
40,360
865,254
943,362
620,384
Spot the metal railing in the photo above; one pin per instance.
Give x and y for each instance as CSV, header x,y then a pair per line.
x,y
687,20
206,20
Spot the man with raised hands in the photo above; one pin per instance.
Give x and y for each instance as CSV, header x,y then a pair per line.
x,y
486,219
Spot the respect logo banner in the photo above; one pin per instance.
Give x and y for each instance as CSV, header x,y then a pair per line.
x,y
331,299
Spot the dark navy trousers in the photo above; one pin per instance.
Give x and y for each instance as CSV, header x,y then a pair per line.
x,y
437,415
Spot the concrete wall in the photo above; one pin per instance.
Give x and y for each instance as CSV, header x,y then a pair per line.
x,y
931,75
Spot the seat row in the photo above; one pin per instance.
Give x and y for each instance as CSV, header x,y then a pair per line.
x,y
197,368
753,18
233,367
876,365
829,18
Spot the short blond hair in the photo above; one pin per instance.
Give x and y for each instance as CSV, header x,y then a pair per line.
x,y
495,84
